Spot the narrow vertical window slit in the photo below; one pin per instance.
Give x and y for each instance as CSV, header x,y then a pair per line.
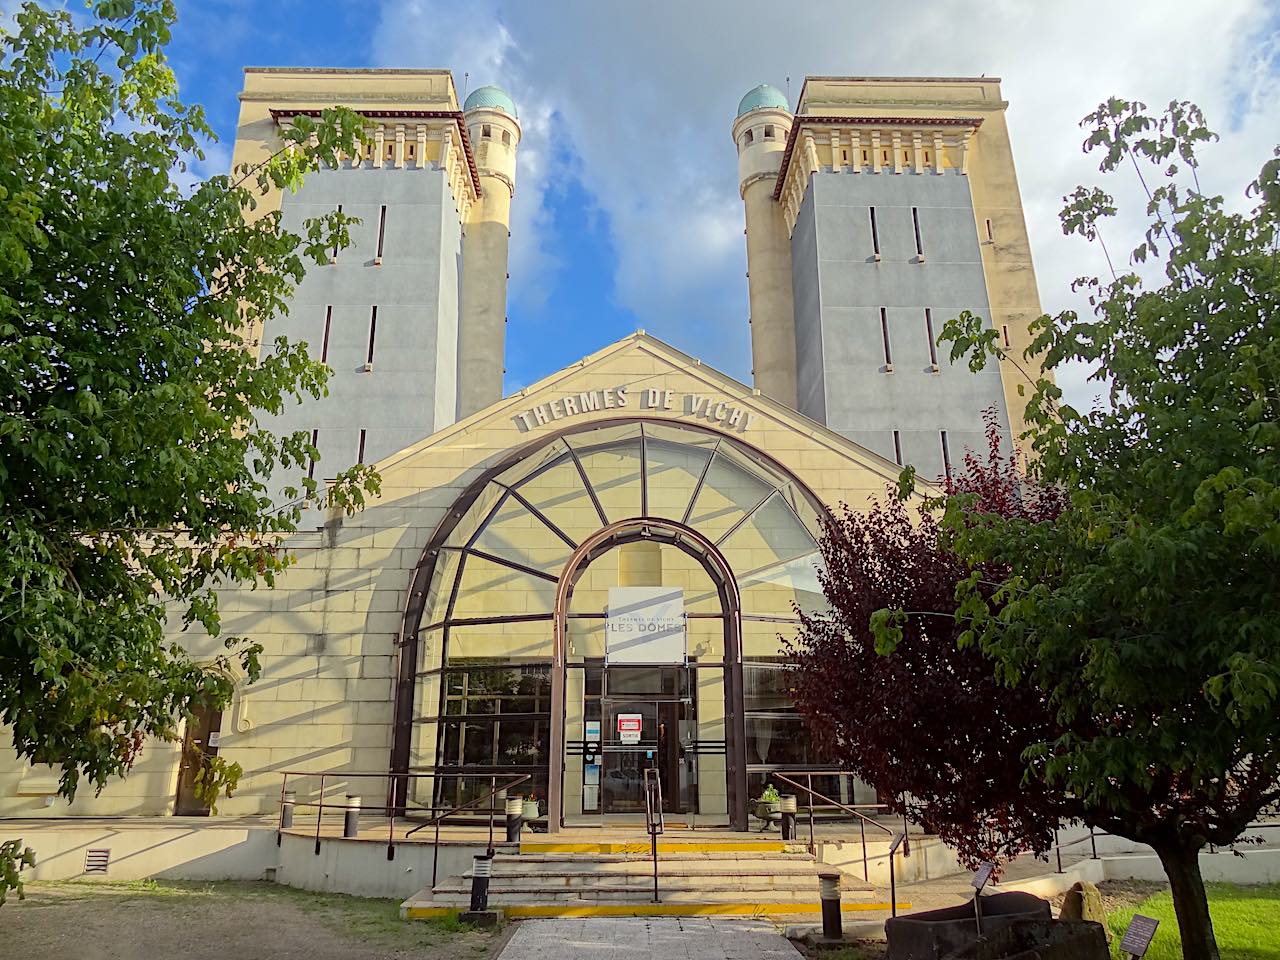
x,y
382,228
897,447
373,330
324,341
928,332
311,462
884,333
946,454
875,234
915,222
360,451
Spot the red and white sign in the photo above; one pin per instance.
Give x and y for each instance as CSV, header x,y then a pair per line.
x,y
629,725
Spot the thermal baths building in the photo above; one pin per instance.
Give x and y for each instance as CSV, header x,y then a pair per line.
x,y
597,574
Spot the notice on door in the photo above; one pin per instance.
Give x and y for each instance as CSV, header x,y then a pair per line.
x,y
645,625
629,726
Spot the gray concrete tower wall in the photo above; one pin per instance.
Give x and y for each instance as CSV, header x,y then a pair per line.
x,y
411,389
840,287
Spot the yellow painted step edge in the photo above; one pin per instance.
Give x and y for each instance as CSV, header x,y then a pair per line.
x,y
711,846
653,910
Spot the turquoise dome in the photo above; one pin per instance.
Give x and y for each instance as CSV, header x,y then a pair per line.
x,y
763,97
495,98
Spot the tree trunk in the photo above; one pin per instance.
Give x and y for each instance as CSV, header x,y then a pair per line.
x,y
1182,866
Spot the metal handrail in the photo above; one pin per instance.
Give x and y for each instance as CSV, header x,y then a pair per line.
x,y
493,792
1094,834
654,823
898,839
391,807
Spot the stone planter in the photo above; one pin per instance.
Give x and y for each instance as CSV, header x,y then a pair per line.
x,y
530,810
938,933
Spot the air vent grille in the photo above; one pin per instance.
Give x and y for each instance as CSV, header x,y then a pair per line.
x,y
97,860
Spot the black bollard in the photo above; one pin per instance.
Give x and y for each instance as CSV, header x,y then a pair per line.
x,y
286,809
481,871
515,818
351,819
829,893
788,807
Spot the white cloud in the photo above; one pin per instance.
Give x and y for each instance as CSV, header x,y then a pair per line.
x,y
639,99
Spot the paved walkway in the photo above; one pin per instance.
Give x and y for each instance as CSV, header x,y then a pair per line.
x,y
644,938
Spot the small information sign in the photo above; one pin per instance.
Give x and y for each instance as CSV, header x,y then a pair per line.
x,y
629,725
1138,937
983,875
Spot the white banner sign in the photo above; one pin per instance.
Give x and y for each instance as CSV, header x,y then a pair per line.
x,y
645,625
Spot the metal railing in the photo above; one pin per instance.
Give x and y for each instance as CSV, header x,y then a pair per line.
x,y
853,810
1092,837
408,810
654,824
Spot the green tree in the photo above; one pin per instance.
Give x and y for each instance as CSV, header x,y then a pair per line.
x,y
1149,610
133,466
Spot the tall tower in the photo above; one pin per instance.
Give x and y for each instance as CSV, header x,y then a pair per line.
x,y
761,130
494,129
899,205
410,316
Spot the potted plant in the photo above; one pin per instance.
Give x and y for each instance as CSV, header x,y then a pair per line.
x,y
769,806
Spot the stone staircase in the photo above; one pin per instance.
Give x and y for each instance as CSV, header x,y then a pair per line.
x,y
695,878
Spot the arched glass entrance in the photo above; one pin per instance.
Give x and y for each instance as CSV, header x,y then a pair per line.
x,y
506,666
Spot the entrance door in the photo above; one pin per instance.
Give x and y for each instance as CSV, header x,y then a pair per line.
x,y
648,721
201,740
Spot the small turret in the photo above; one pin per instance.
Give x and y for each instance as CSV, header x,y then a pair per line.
x,y
760,131
493,127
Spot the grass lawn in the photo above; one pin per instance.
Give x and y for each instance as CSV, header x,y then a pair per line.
x,y
1245,919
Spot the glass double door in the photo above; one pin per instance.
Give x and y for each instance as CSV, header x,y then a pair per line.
x,y
648,720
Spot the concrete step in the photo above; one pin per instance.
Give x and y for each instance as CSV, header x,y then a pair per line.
x,y
417,908
677,853
665,846
807,888
639,894
666,868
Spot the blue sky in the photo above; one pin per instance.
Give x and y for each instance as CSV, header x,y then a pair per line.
x,y
626,213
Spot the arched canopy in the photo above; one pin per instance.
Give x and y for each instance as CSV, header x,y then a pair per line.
x,y
484,595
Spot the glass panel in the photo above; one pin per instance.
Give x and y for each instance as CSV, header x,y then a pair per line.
x,y
475,515
706,640
764,640
524,470
586,639
442,577
558,492
681,570
727,493
495,742
490,589
772,591
514,533
673,470
422,743
487,691
430,650
500,642
777,740
769,536
766,688
611,460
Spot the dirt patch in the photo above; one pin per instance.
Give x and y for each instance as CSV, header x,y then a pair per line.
x,y
143,920
1118,894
